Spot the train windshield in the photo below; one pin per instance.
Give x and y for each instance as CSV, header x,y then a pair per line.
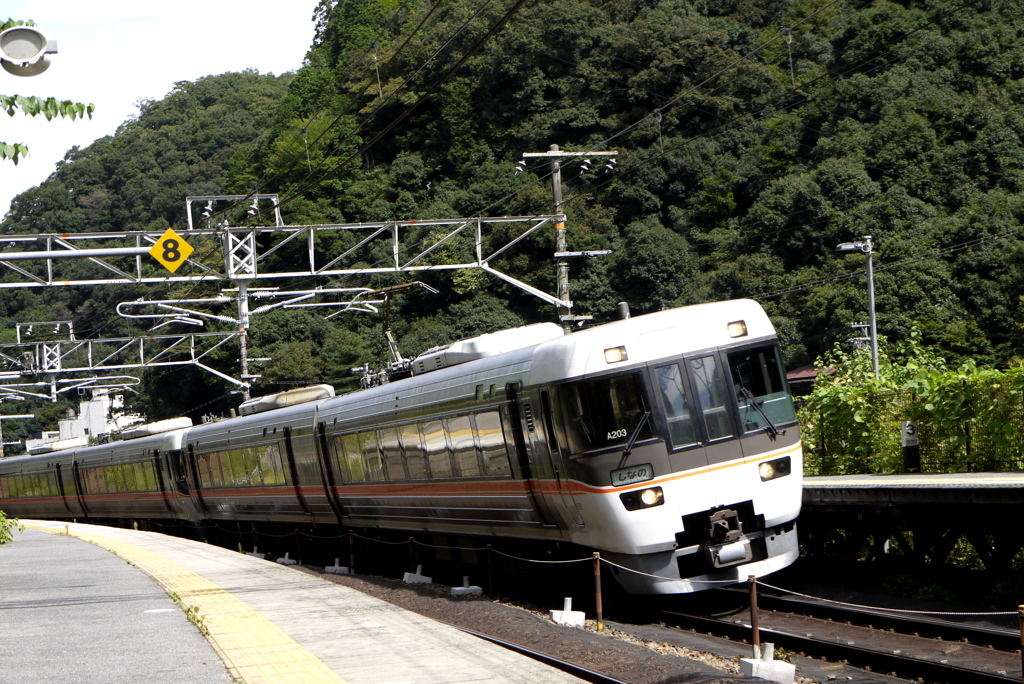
x,y
761,389
604,413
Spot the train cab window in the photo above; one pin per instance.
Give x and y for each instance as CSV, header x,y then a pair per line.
x,y
371,456
761,389
460,431
708,379
491,440
604,413
436,448
412,447
677,411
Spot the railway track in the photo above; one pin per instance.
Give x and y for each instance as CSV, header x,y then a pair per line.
x,y
905,646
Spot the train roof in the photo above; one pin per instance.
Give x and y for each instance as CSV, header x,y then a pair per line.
x,y
652,336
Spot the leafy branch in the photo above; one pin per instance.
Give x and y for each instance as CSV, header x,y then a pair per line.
x,y
7,526
49,107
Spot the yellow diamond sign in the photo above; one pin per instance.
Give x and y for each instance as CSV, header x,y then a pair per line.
x,y
171,250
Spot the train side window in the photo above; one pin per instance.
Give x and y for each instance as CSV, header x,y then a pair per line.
x,y
205,467
677,410
109,477
5,489
350,457
237,467
254,465
371,455
142,480
271,464
708,378
460,432
391,447
412,446
436,447
492,444
128,477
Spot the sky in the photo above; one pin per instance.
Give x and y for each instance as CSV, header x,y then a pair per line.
x,y
117,52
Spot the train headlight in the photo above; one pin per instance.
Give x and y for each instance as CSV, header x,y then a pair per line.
x,y
738,329
644,498
615,355
770,470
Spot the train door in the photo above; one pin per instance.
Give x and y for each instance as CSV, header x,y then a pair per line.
x,y
523,425
79,490
557,458
330,480
60,488
681,413
196,492
695,416
158,466
293,469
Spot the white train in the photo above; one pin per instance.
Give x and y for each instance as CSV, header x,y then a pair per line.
x,y
667,442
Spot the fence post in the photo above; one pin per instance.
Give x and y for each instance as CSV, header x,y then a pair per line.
x,y
412,555
755,631
1020,616
352,552
597,591
490,573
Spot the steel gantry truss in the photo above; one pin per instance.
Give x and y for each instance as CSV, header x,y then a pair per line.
x,y
122,259
112,354
239,254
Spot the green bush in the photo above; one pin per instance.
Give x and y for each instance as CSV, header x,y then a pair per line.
x,y
968,418
7,527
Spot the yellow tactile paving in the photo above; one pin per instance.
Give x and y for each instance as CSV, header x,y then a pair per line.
x,y
252,647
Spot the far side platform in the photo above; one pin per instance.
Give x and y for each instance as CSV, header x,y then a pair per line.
x,y
854,491
921,516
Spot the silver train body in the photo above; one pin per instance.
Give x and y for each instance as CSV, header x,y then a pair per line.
x,y
667,442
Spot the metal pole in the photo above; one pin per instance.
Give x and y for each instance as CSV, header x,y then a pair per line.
x,y
755,630
597,591
561,243
871,307
243,322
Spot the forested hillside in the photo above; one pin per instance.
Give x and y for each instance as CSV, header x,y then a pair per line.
x,y
752,138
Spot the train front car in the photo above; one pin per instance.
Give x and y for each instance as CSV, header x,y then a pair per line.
x,y
681,442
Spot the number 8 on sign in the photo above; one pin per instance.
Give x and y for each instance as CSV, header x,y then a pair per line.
x,y
171,250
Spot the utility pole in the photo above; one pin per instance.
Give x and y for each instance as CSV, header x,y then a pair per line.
x,y
565,315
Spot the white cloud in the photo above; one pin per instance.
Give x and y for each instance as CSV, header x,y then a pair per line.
x,y
115,53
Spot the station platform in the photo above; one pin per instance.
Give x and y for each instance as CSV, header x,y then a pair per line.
x,y
103,611
824,491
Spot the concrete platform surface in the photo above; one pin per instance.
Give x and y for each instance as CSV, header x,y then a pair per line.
x,y
73,609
